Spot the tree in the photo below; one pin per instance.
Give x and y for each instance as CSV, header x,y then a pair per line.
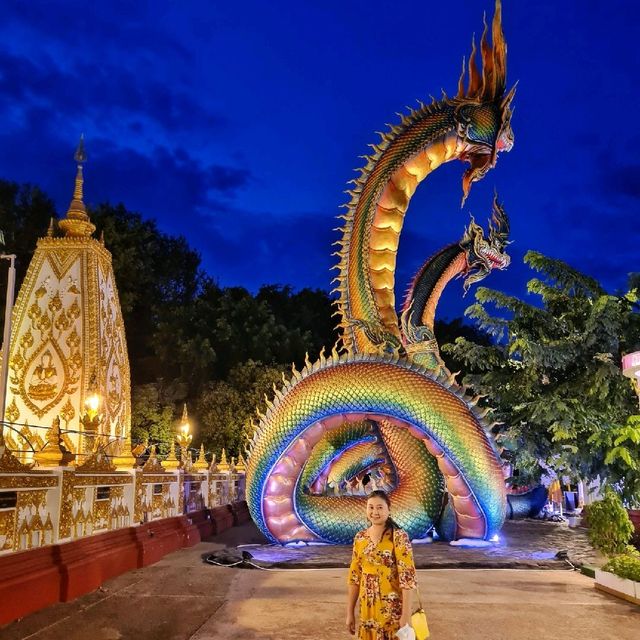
x,y
152,420
552,373
156,275
225,407
447,331
307,316
25,213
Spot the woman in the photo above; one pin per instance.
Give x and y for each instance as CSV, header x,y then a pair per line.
x,y
382,574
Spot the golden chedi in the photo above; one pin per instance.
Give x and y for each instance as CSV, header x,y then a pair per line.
x,y
68,340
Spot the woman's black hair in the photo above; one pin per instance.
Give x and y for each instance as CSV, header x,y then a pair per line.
x,y
390,524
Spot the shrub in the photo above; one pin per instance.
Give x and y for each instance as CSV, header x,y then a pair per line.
x,y
610,528
626,565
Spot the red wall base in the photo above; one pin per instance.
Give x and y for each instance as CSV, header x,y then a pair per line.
x,y
32,580
202,520
221,519
88,562
29,580
634,515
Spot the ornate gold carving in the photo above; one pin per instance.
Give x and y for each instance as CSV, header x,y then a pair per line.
x,y
162,505
160,479
68,444
201,463
68,322
62,259
171,462
153,465
53,454
7,529
138,491
24,536
223,465
66,504
41,373
96,463
67,413
31,499
27,482
102,514
180,493
10,464
12,413
102,480
125,458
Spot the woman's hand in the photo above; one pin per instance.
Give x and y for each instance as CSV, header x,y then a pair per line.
x,y
351,623
405,619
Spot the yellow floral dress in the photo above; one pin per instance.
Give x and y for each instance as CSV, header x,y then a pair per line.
x,y
381,572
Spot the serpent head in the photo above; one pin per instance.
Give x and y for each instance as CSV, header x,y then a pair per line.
x,y
484,254
483,110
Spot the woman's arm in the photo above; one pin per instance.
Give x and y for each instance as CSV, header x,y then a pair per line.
x,y
352,599
405,617
353,580
406,573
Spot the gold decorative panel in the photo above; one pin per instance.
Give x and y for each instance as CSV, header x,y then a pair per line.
x,y
66,505
68,327
7,529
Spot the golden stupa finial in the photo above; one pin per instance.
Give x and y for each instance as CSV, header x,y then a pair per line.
x,y
223,465
77,223
201,463
50,230
185,415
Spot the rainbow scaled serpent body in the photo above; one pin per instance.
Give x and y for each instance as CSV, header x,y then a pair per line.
x,y
379,406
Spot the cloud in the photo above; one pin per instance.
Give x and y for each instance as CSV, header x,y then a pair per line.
x,y
110,95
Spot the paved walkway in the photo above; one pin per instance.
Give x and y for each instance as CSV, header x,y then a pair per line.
x,y
181,598
523,544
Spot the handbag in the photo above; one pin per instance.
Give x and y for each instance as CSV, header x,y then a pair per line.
x,y
419,622
418,617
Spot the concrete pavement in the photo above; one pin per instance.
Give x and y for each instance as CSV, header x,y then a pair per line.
x,y
181,598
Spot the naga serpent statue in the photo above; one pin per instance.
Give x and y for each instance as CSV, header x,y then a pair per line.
x,y
386,406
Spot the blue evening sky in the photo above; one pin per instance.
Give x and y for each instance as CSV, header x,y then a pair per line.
x,y
239,124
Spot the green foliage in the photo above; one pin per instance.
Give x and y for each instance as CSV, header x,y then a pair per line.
x,y
625,565
159,279
610,528
152,420
225,407
447,331
552,375
25,213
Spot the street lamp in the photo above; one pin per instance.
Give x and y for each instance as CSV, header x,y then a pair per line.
x,y
184,439
91,419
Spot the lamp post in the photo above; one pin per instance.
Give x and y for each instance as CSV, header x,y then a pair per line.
x,y
91,420
6,336
184,439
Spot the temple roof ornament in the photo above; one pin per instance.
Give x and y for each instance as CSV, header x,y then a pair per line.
x,y
77,223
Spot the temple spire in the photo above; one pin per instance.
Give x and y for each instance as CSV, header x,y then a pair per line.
x,y
77,223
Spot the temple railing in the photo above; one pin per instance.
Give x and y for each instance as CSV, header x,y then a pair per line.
x,y
45,505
